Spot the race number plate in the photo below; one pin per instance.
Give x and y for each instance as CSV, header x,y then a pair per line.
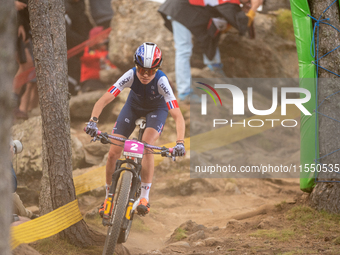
x,y
133,148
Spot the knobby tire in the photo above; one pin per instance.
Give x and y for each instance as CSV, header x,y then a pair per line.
x,y
118,214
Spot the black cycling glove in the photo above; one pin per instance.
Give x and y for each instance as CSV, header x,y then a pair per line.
x,y
179,150
91,128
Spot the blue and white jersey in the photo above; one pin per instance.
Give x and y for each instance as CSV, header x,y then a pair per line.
x,y
156,94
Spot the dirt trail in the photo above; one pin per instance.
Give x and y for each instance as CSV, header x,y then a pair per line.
x,y
209,209
247,199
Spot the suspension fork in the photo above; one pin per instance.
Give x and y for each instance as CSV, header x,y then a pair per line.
x,y
115,177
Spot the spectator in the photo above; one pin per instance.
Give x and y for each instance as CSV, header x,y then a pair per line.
x,y
94,59
186,17
18,206
101,12
78,27
29,93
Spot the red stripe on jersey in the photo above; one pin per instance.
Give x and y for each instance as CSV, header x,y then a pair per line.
x,y
114,91
172,104
197,2
202,2
229,1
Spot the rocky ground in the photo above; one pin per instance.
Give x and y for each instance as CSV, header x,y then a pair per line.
x,y
194,216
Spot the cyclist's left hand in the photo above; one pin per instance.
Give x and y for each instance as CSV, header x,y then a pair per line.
x,y
179,150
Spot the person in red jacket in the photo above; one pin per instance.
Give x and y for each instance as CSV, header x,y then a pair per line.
x,y
94,59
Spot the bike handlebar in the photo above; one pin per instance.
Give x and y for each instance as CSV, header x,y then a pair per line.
x,y
162,150
124,139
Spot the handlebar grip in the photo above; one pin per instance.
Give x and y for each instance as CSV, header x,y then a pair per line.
x,y
98,133
171,150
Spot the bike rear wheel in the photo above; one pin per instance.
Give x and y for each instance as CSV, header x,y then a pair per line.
x,y
118,214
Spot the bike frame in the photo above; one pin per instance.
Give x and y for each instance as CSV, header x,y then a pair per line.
x,y
135,170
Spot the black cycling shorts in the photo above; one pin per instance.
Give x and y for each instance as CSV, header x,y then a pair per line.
x,y
125,124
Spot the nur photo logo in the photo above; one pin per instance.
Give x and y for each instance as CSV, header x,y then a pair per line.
x,y
240,100
204,97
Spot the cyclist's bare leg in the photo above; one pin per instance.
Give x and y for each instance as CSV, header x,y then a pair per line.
x,y
114,154
150,136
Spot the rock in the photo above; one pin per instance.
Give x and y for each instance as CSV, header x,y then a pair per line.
x,y
190,187
273,5
234,225
191,229
97,149
203,73
28,163
196,236
81,106
192,226
198,244
92,159
215,228
231,188
264,224
121,250
91,214
212,241
110,76
87,200
154,252
131,13
98,192
25,249
78,154
261,225
180,243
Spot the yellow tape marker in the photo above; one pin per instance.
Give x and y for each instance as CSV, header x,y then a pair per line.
x,y
46,225
90,180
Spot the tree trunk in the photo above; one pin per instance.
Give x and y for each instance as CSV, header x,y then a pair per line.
x,y
326,195
7,71
49,44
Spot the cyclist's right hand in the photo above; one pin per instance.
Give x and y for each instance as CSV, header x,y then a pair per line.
x,y
91,128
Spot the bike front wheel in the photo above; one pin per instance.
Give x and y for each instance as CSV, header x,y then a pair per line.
x,y
118,213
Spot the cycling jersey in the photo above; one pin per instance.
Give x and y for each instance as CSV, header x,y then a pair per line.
x,y
156,94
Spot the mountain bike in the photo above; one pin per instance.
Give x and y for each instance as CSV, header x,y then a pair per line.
x,y
124,193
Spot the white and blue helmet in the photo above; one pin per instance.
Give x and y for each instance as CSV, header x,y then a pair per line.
x,y
148,55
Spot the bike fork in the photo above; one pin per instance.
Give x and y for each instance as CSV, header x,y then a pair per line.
x,y
109,202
